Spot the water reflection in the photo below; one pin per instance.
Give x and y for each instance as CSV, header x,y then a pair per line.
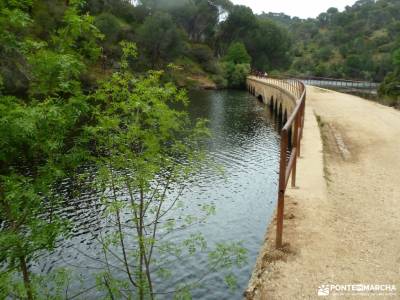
x,y
245,143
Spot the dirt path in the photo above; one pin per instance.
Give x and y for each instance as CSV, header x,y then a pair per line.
x,y
342,224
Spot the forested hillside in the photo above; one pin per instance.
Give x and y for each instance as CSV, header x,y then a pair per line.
x,y
357,43
194,35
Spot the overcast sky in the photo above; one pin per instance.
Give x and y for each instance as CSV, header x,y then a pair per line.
x,y
299,8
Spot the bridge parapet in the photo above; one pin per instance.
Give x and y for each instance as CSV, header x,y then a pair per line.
x,y
287,98
280,94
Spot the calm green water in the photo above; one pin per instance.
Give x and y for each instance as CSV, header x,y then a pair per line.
x,y
245,143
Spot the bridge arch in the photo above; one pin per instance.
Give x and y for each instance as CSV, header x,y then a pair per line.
x,y
280,112
284,117
274,95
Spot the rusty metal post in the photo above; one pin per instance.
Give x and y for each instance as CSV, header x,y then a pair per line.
x,y
282,186
301,123
297,147
299,89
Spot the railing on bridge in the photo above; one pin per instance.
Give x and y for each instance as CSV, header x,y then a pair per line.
x,y
338,83
294,125
335,83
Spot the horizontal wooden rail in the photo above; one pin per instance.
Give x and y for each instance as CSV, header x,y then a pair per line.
x,y
294,125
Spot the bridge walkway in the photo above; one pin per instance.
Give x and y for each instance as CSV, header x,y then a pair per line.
x,y
342,225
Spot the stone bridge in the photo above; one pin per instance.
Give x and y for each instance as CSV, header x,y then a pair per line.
x,y
280,95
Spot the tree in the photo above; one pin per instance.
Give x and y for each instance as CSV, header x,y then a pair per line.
x,y
40,136
240,22
198,18
269,46
204,56
390,87
237,54
236,65
14,20
159,39
143,143
122,9
47,15
323,54
236,74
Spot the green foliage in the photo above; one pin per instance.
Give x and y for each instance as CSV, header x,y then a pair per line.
x,y
198,18
269,46
236,66
47,15
390,87
396,58
40,133
160,39
324,54
14,22
235,74
204,55
138,139
53,120
110,26
231,281
267,43
361,39
240,22
54,73
166,31
237,54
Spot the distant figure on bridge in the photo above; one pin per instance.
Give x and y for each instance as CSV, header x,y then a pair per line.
x,y
265,74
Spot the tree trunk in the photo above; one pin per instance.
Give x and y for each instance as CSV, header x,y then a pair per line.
x,y
27,282
141,250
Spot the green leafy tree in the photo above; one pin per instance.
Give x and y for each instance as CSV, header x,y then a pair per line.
x,y
14,24
143,143
236,65
204,56
160,40
198,18
235,74
47,15
267,43
390,88
237,54
240,22
269,46
39,136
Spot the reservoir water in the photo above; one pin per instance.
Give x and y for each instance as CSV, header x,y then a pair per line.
x,y
245,144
